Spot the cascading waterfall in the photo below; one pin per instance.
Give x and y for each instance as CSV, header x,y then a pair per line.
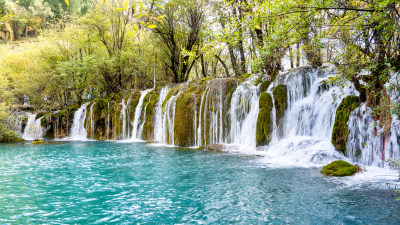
x,y
158,124
168,120
138,113
78,130
198,130
232,123
125,121
140,132
367,142
56,133
226,113
311,109
364,142
243,113
216,124
33,129
308,120
19,125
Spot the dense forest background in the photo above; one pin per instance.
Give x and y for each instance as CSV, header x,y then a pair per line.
x,y
54,53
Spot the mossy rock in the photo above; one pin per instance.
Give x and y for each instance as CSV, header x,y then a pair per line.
x,y
245,76
215,147
340,130
10,137
174,91
264,120
183,126
100,108
258,80
219,92
150,102
281,101
339,168
37,142
40,114
264,86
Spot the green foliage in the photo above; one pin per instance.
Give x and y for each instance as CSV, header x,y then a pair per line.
x,y
7,134
339,168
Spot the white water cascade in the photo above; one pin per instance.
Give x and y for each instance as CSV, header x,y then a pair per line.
x,y
220,121
168,120
138,113
124,117
243,113
306,128
367,142
78,130
158,123
33,129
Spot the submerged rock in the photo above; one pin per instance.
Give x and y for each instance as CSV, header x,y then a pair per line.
x,y
340,168
215,147
340,130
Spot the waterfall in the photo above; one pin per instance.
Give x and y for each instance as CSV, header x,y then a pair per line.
x,y
216,125
158,123
140,132
198,139
33,129
243,113
308,120
125,122
138,113
367,143
19,125
168,120
364,143
78,130
56,133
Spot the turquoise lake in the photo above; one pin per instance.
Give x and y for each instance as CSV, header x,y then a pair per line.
x,y
131,183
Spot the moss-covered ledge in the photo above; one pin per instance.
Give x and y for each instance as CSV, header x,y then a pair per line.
x,y
281,101
264,120
340,130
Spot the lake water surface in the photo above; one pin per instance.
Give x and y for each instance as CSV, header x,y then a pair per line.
x,y
124,183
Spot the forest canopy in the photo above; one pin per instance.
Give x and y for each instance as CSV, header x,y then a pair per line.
x,y
55,52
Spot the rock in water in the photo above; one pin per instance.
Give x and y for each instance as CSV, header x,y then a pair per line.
x,y
340,168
